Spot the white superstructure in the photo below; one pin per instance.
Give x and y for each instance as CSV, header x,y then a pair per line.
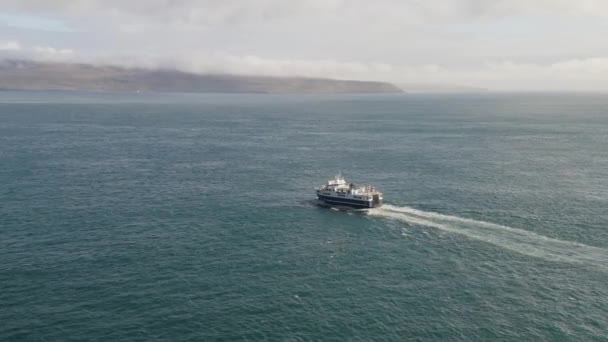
x,y
338,191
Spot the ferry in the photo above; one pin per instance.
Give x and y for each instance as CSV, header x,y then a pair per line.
x,y
339,192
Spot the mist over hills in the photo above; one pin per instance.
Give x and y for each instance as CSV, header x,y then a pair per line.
x,y
422,88
32,75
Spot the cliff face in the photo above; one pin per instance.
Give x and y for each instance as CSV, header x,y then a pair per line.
x,y
28,75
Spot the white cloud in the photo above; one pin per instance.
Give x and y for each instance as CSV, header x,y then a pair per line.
x,y
48,50
498,44
219,11
589,74
10,46
14,50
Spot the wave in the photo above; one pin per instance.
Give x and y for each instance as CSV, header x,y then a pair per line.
x,y
518,240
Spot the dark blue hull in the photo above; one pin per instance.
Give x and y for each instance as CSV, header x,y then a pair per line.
x,y
345,202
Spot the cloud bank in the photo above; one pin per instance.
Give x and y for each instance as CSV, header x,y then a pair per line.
x,y
500,44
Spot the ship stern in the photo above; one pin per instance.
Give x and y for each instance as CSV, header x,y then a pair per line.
x,y
376,201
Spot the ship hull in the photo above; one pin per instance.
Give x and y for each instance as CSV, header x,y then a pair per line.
x,y
354,203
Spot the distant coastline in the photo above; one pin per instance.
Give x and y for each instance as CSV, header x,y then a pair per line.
x,y
31,75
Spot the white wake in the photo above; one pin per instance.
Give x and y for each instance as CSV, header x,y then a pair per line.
x,y
514,239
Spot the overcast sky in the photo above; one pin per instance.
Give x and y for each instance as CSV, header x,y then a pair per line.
x,y
494,44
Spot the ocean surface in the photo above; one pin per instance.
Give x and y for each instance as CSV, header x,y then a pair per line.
x,y
184,217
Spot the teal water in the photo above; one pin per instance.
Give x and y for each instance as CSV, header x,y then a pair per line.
x,y
189,218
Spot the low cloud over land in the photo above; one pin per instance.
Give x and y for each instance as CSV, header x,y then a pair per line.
x,y
499,45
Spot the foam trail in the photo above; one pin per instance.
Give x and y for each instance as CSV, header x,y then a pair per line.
x,y
514,239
